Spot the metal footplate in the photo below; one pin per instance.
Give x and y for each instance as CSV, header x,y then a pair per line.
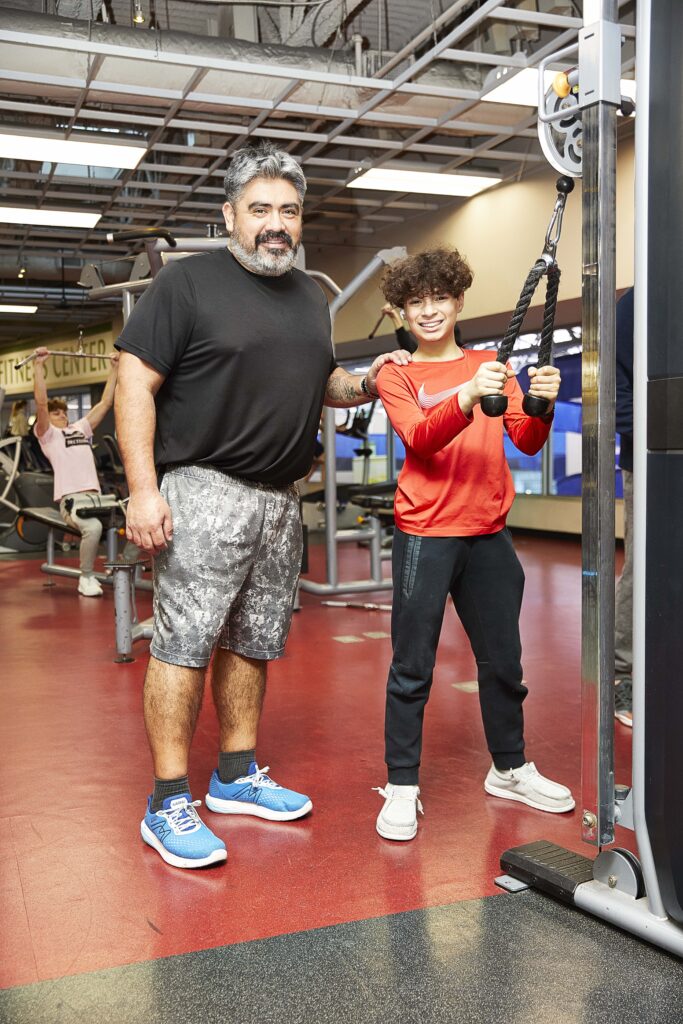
x,y
548,867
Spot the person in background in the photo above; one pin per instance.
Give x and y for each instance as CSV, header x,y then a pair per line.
x,y
403,335
68,447
623,611
18,423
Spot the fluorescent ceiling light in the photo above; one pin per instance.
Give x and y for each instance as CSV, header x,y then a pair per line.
x,y
386,179
521,88
55,149
18,309
48,217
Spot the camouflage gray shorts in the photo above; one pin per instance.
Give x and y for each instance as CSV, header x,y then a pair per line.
x,y
229,576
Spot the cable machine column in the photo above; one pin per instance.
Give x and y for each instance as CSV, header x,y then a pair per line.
x,y
599,77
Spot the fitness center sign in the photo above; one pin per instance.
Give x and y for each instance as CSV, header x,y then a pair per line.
x,y
61,372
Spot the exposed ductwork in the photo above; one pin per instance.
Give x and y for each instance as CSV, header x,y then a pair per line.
x,y
88,9
49,268
135,62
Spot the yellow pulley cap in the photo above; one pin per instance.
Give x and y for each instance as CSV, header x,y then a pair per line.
x,y
561,84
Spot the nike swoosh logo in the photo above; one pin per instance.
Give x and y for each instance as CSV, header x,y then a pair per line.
x,y
429,401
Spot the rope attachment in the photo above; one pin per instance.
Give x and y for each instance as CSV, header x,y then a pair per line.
x,y
545,266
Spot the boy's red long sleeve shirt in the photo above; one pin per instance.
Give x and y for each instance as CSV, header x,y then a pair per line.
x,y
455,481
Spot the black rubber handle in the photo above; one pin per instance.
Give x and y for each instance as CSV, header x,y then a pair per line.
x,y
494,405
138,234
534,406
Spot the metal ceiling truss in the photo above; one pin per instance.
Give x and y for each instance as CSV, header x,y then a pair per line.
x,y
67,76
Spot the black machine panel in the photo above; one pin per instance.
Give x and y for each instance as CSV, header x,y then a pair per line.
x,y
665,188
664,544
664,685
665,414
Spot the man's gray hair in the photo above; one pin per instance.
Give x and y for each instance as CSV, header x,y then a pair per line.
x,y
263,160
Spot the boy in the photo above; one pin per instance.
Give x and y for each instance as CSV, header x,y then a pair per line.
x,y
68,448
452,499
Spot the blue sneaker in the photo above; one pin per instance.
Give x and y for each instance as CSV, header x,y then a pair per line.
x,y
179,835
256,794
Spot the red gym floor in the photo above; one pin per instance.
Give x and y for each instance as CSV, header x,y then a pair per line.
x,y
79,891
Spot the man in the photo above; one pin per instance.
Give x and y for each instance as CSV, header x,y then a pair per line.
x,y
68,448
227,360
623,638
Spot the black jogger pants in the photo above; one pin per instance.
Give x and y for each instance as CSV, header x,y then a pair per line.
x,y
486,581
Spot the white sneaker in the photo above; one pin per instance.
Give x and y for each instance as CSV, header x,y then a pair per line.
x,y
89,586
528,786
398,817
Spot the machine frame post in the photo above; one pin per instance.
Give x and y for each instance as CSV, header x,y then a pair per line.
x,y
639,894
599,64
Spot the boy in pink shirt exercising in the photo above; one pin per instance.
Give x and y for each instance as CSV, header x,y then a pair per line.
x,y
68,446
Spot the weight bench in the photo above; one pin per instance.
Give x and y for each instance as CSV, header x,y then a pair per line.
x,y
128,628
112,519
381,505
377,501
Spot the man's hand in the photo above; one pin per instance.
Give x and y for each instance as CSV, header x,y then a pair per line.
x,y
399,356
114,358
42,355
544,383
149,522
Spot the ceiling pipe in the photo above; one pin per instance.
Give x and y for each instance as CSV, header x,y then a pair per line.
x,y
332,75
48,268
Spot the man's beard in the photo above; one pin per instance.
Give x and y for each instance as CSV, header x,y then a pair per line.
x,y
267,263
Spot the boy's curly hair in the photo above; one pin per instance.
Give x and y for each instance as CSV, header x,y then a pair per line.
x,y
435,270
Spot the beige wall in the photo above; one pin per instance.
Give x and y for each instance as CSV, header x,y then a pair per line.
x,y
560,514
501,232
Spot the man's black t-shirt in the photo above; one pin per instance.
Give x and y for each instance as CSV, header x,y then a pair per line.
x,y
246,360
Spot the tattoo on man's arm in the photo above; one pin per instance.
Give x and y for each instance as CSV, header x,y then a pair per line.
x,y
342,389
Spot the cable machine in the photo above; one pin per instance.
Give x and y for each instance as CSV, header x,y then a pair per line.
x,y
643,894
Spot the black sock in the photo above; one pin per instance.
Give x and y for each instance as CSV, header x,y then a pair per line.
x,y
168,787
234,764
